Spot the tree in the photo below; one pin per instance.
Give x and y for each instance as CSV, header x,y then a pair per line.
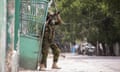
x,y
98,20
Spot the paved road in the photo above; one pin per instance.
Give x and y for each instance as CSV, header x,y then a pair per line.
x,y
79,63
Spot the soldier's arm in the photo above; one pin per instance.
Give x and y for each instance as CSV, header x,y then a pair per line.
x,y
58,20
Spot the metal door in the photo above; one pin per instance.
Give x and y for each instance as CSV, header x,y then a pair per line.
x,y
33,16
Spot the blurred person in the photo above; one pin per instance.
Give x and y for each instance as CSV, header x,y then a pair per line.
x,y
74,47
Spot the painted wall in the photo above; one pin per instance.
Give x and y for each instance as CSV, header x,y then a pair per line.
x,y
2,34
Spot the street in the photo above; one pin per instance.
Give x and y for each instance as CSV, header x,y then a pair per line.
x,y
80,63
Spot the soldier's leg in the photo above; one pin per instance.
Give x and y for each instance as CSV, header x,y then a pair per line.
x,y
56,53
44,51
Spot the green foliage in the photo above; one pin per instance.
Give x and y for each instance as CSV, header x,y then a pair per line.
x,y
98,20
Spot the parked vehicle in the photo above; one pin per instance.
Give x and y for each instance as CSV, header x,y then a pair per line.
x,y
90,50
87,49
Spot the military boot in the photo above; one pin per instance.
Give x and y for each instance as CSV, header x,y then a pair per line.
x,y
54,66
42,67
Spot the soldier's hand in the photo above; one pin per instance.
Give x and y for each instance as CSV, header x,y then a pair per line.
x,y
57,13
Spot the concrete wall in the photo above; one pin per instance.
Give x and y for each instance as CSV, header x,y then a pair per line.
x,y
116,49
12,55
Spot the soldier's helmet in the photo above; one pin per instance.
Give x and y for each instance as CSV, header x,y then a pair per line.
x,y
50,12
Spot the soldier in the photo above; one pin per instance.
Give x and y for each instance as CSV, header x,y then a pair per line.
x,y
48,40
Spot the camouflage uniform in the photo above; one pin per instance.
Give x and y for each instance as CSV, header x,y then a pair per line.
x,y
48,41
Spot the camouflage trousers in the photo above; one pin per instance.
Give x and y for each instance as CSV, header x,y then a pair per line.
x,y
45,50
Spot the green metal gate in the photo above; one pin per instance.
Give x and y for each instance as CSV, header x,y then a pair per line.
x,y
32,17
